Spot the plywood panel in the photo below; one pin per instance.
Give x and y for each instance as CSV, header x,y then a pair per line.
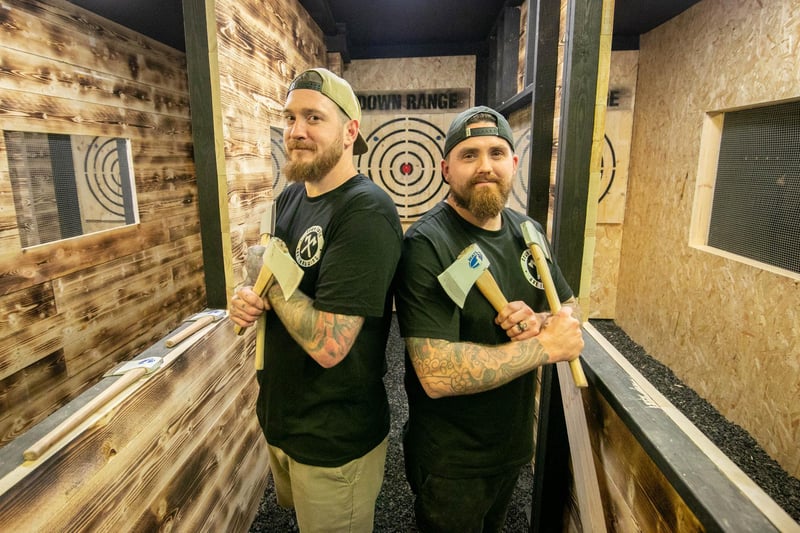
x,y
727,329
405,146
613,183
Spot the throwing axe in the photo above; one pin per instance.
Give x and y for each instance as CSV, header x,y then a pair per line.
x,y
541,254
199,321
471,267
276,263
130,372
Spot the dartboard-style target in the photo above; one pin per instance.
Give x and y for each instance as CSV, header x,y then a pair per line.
x,y
608,168
404,159
101,171
278,152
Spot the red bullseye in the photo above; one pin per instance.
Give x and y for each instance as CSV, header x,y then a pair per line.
x,y
406,168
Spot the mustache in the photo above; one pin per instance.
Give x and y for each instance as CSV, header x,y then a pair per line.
x,y
491,178
300,145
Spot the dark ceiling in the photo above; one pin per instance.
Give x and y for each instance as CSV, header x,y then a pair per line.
x,y
391,28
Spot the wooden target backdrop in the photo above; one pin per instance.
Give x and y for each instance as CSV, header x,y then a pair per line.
x,y
404,159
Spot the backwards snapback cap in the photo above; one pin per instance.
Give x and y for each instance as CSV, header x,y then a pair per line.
x,y
460,129
337,89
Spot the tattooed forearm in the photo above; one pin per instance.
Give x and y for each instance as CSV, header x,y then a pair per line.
x,y
326,337
453,368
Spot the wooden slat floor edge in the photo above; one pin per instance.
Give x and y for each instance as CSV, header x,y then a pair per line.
x,y
727,469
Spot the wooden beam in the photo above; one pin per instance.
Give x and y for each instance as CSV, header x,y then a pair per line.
x,y
540,73
579,87
209,152
507,52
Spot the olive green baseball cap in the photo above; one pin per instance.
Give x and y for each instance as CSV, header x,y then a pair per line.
x,y
338,90
460,130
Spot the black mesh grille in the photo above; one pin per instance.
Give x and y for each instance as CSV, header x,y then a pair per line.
x,y
756,211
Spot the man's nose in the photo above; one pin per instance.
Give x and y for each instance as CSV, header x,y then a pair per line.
x,y
297,130
484,163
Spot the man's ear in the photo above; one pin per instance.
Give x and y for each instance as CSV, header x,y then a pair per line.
x,y
445,171
350,132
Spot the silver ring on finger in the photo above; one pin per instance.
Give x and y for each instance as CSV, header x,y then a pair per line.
x,y
522,326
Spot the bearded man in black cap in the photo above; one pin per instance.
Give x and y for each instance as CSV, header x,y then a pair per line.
x,y
469,371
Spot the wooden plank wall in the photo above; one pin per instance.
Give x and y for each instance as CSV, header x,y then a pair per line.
x,y
262,47
727,328
187,450
180,451
71,309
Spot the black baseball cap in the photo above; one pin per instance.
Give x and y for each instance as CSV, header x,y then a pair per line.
x,y
461,130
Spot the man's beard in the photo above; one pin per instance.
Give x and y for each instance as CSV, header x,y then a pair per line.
x,y
316,169
483,202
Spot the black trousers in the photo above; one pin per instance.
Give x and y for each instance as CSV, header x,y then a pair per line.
x,y
465,505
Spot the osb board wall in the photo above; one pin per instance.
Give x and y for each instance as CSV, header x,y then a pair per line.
x,y
71,309
405,148
613,183
729,330
262,46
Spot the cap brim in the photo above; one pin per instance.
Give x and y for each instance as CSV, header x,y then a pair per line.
x,y
360,146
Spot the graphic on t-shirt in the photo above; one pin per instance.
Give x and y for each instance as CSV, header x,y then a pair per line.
x,y
309,247
529,269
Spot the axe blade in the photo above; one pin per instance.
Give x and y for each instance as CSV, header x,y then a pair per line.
x,y
283,266
458,278
534,237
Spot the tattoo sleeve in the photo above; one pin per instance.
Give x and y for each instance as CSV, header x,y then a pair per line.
x,y
326,337
449,368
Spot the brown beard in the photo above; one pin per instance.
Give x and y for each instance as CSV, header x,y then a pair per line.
x,y
317,168
483,203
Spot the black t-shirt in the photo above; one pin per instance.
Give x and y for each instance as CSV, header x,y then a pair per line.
x,y
348,243
488,432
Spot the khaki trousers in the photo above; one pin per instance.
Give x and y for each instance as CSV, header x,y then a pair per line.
x,y
337,499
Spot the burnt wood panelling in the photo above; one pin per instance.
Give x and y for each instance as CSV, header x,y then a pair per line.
x,y
262,46
71,309
183,454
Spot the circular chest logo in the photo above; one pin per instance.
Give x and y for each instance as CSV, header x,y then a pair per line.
x,y
529,269
309,247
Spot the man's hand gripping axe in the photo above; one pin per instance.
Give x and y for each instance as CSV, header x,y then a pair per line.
x,y
276,263
541,253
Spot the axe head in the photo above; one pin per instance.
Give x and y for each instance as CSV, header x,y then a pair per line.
x,y
534,237
283,266
150,364
458,278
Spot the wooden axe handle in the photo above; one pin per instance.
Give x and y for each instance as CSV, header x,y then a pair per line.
x,y
260,288
555,306
46,442
196,326
491,291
